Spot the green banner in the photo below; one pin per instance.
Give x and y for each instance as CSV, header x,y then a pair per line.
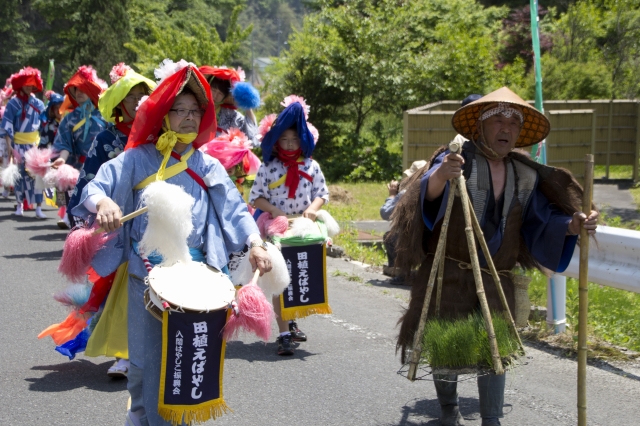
x,y
49,83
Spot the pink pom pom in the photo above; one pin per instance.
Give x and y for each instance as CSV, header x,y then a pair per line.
x,y
17,156
66,177
256,314
38,161
79,249
291,99
118,71
265,125
314,132
278,226
269,226
262,223
237,137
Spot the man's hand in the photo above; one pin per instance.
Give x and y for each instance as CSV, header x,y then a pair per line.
x,y
108,215
259,258
59,162
393,188
451,167
580,220
310,213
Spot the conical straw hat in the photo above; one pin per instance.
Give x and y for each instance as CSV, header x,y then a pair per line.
x,y
534,129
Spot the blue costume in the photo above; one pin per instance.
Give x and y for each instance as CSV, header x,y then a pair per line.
x,y
222,225
12,123
77,131
106,146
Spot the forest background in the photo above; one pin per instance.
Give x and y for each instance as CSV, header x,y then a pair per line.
x,y
359,63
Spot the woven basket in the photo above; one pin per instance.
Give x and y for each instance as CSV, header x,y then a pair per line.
x,y
523,304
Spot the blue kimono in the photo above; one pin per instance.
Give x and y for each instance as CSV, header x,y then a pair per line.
x,y
77,131
106,146
13,122
221,220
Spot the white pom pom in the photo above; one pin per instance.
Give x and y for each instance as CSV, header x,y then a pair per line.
x,y
277,280
167,68
333,228
169,222
11,175
243,273
302,227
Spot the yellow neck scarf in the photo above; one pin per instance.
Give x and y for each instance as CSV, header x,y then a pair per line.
x,y
167,141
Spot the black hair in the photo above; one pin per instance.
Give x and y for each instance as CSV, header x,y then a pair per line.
x,y
223,86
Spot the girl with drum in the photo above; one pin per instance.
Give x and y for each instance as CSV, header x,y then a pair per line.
x,y
289,182
170,125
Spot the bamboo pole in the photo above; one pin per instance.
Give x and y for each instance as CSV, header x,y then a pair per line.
x,y
440,277
494,273
477,276
584,295
417,338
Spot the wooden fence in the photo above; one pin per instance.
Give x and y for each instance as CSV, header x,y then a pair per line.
x,y
610,128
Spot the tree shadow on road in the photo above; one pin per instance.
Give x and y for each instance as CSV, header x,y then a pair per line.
x,y
260,351
74,375
58,236
44,227
41,255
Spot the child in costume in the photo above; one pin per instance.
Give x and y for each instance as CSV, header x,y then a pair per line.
x,y
81,125
50,119
289,182
117,105
229,91
178,116
20,126
5,96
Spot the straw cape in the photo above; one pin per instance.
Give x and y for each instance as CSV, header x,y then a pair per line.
x,y
535,127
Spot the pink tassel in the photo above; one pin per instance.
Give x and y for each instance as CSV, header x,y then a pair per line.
x,y
66,177
256,314
277,226
38,161
270,227
79,249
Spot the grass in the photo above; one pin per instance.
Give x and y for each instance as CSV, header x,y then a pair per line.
x,y
614,315
366,199
615,172
464,343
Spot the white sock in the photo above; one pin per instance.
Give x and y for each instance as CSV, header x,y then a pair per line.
x,y
19,208
38,209
284,333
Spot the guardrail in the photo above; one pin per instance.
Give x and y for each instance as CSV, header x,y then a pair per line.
x,y
614,260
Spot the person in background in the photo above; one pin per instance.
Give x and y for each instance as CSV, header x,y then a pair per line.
x,y
395,194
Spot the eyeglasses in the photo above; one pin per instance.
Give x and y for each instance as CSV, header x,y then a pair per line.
x,y
185,112
134,98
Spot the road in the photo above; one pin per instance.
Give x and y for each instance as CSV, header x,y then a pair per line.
x,y
344,375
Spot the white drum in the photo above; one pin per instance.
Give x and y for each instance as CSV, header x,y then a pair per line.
x,y
187,287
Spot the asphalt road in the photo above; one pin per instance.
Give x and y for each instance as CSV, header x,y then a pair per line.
x,y
344,375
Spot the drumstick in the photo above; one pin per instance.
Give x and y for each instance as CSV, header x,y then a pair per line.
x,y
126,218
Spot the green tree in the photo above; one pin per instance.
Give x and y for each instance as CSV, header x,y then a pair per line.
x,y
83,32
17,40
195,43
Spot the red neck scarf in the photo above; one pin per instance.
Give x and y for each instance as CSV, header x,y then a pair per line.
x,y
229,106
290,161
125,128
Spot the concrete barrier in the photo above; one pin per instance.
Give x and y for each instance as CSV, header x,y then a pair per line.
x,y
614,261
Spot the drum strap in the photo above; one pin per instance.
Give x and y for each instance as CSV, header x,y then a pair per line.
x,y
179,167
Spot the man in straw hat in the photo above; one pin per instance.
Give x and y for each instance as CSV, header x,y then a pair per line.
x,y
529,214
170,125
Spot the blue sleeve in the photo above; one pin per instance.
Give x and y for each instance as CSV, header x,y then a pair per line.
x,y
6,128
389,205
96,158
544,231
64,137
433,211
